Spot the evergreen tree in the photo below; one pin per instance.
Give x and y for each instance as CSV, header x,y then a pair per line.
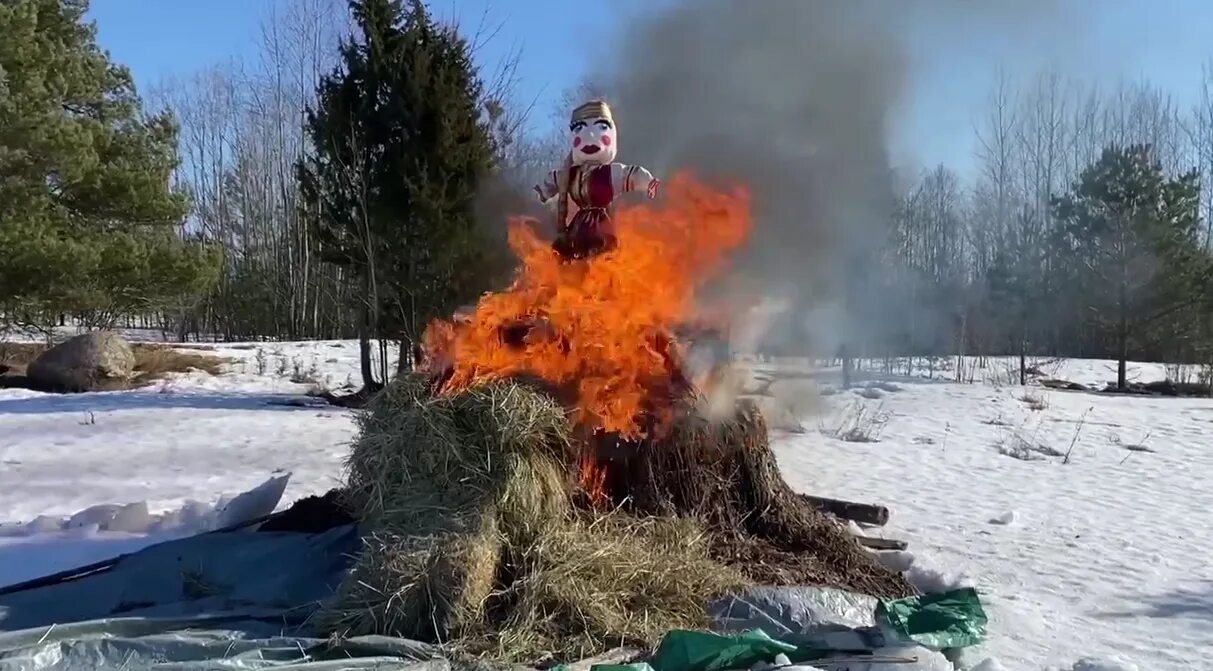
x,y
88,219
1131,236
400,146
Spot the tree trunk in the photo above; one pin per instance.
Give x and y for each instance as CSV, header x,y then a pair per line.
x,y
1122,337
407,359
364,349
1023,362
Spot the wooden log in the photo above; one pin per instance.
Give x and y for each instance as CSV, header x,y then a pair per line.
x,y
881,543
863,513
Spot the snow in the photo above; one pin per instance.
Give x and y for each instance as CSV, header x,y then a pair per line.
x,y
1101,553
1089,551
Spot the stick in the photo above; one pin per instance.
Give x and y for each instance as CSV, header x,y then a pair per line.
x,y
863,513
614,656
881,543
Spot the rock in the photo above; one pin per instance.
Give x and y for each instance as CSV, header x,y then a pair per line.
x,y
96,361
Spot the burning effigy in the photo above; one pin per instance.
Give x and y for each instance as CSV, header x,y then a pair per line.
x,y
551,483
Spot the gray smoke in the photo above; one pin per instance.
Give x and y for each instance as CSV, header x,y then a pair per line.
x,y
797,99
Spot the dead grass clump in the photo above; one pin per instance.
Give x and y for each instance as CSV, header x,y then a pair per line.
x,y
1035,400
857,423
19,355
153,361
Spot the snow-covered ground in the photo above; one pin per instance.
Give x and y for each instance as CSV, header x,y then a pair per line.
x,y
1083,519
1099,554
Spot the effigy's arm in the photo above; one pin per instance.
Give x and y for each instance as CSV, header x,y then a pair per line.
x,y
549,189
634,178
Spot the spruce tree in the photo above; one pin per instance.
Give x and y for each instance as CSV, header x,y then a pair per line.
x,y
88,219
1131,236
400,145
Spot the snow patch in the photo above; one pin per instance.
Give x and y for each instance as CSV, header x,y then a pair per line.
x,y
48,545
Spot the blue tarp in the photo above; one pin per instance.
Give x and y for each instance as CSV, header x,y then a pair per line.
x,y
229,600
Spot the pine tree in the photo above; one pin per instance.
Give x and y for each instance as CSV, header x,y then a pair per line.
x,y
88,219
400,146
1131,235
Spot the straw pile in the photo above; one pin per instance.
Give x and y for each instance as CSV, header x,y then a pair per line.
x,y
473,539
722,472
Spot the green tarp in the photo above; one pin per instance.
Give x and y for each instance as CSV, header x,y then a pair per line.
x,y
942,621
704,651
936,621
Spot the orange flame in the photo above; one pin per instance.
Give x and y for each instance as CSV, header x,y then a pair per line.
x,y
600,328
592,476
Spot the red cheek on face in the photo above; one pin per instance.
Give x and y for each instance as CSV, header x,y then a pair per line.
x,y
606,140
576,141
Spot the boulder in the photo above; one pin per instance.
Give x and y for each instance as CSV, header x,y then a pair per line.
x,y
96,361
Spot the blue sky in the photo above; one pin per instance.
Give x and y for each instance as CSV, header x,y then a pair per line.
x,y
1165,41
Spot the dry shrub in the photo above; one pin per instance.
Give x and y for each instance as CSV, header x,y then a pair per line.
x,y
473,539
1035,400
857,423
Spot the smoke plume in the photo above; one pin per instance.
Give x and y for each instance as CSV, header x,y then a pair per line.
x,y
798,100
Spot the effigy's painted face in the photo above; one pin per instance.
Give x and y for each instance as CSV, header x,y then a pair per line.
x,y
593,141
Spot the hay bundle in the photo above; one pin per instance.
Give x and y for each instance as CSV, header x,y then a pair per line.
x,y
602,581
473,539
422,460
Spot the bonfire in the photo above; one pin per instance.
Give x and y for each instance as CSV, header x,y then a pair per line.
x,y
555,481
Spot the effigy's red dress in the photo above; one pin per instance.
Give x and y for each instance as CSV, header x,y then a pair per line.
x,y
590,231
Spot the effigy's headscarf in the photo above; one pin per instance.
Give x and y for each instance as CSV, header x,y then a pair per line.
x,y
593,109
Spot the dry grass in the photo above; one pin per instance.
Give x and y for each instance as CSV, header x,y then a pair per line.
x,y
152,361
609,580
504,443
18,355
588,584
474,541
1035,400
857,423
